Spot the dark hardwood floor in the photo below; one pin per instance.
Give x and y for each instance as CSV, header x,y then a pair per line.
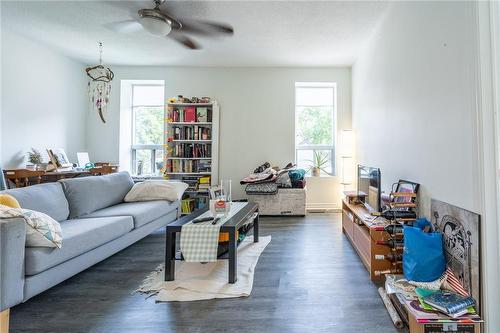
x,y
309,279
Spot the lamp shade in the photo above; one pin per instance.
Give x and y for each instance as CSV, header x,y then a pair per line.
x,y
155,26
346,143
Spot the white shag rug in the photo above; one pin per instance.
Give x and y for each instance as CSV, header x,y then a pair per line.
x,y
196,281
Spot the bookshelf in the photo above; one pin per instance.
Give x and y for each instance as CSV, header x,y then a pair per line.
x,y
192,150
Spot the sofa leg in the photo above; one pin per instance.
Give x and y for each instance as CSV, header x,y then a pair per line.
x,y
4,321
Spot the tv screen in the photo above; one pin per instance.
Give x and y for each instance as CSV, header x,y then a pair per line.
x,y
369,186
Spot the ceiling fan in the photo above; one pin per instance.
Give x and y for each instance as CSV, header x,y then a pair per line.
x,y
161,23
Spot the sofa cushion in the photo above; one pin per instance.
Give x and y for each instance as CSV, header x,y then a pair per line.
x,y
80,236
142,212
47,198
88,194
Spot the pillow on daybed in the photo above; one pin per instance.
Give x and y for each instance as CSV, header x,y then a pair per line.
x,y
156,190
41,229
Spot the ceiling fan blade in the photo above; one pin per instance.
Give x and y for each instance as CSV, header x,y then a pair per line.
x,y
205,28
125,27
184,40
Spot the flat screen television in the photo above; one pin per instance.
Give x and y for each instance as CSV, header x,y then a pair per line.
x,y
369,186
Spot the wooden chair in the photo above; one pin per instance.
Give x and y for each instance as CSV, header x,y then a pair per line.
x,y
104,170
21,177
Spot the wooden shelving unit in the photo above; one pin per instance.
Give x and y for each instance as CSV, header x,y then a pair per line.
x,y
363,237
184,168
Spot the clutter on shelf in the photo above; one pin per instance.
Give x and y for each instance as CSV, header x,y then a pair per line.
x,y
430,267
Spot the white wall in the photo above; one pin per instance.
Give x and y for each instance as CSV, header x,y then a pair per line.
x,y
415,113
257,113
414,98
43,101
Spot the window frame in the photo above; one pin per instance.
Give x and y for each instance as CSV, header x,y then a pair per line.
x,y
151,147
314,148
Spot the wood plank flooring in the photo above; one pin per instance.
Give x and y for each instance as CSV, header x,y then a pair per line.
x,y
309,279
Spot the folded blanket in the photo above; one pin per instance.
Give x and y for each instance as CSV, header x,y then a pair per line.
x,y
264,188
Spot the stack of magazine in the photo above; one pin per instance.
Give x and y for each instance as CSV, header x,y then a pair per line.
x,y
428,305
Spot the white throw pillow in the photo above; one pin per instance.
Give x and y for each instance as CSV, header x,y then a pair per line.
x,y
41,229
156,190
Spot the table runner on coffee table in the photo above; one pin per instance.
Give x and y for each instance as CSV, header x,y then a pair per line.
x,y
199,241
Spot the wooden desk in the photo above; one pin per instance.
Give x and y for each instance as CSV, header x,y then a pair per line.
x,y
363,237
25,177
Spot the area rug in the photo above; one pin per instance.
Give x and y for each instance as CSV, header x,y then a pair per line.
x,y
196,281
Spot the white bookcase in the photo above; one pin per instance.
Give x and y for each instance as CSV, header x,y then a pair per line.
x,y
187,151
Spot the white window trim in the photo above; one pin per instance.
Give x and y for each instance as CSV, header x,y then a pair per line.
x,y
314,148
127,148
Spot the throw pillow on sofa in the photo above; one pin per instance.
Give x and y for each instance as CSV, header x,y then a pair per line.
x,y
156,190
41,229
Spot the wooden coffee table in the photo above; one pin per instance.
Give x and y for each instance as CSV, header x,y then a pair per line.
x,y
231,226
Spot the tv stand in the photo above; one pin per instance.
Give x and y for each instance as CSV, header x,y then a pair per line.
x,y
363,236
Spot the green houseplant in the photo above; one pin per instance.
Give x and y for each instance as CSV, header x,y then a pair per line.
x,y
319,163
35,157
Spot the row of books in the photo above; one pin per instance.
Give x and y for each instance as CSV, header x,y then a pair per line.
x,y
189,166
192,133
192,150
196,183
189,205
191,114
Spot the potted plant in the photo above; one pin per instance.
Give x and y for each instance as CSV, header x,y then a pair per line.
x,y
319,163
35,158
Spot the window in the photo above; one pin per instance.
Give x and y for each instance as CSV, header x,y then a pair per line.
x,y
147,129
315,125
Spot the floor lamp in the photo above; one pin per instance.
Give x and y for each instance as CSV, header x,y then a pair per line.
x,y
347,157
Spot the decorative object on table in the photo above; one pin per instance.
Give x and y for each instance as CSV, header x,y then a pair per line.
x,y
462,236
59,158
99,86
194,281
83,160
319,162
35,158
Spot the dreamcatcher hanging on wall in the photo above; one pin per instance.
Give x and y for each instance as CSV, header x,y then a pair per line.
x,y
99,86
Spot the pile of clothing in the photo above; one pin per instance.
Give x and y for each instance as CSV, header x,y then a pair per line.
x,y
267,180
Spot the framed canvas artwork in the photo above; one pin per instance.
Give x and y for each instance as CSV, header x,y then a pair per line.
x,y
462,236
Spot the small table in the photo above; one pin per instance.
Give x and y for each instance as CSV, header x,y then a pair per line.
x,y
231,226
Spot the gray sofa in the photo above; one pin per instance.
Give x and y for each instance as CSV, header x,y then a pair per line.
x,y
95,224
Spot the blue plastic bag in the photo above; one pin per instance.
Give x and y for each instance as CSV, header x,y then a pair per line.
x,y
423,255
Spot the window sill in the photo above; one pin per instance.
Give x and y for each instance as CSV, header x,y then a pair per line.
x,y
320,176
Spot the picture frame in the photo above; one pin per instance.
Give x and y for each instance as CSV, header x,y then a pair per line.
x,y
461,231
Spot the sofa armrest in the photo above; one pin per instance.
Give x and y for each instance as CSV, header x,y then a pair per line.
x,y
12,243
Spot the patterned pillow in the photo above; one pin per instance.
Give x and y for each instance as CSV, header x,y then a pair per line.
x,y
41,229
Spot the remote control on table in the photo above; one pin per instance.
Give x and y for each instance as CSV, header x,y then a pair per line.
x,y
202,219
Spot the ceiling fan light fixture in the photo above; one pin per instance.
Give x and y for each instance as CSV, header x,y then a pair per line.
x,y
154,25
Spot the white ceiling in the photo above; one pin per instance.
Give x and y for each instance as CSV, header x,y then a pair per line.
x,y
267,33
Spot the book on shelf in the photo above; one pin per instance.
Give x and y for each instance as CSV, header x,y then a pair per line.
x,y
192,150
202,114
190,114
194,132
189,166
450,303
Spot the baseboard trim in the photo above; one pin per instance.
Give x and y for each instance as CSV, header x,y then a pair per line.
x,y
322,208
